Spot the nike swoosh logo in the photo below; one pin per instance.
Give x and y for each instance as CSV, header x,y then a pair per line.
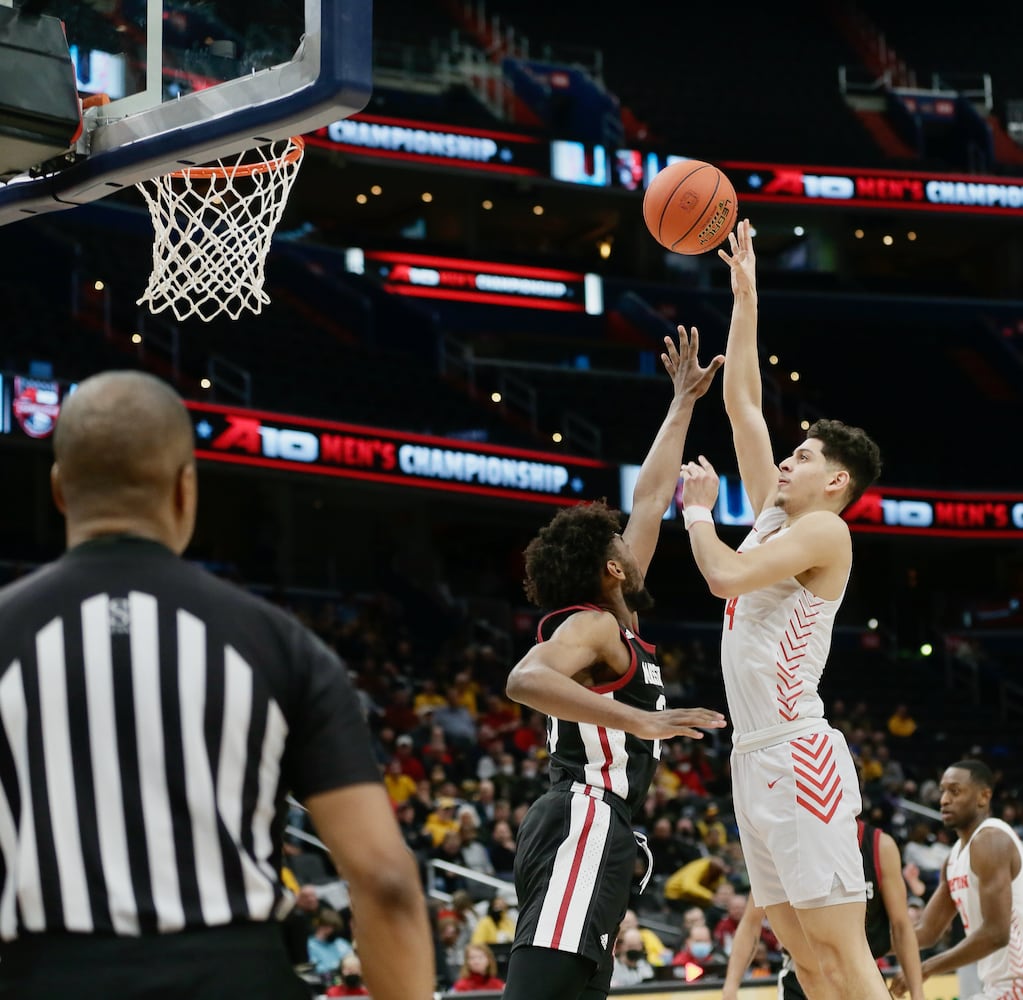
x,y
771,784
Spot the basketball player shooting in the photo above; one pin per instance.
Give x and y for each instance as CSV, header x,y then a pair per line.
x,y
600,686
795,787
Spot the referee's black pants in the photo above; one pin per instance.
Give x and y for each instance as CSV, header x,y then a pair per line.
x,y
224,963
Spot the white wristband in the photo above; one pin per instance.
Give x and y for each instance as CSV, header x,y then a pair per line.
x,y
694,514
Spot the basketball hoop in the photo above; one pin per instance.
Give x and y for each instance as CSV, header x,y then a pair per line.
x,y
212,230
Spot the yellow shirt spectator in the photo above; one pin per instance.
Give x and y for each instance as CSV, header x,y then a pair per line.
x,y
696,881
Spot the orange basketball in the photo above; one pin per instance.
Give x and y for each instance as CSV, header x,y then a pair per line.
x,y
690,207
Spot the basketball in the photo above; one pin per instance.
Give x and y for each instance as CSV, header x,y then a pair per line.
x,y
690,207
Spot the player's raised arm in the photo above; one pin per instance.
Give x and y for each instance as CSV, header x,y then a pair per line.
x,y
743,389
658,476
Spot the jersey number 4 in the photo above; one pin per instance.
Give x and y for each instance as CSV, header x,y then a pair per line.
x,y
730,612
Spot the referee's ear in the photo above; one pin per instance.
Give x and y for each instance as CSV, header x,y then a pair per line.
x,y
57,489
186,500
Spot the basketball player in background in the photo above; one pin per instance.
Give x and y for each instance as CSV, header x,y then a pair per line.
x,y
887,922
982,880
599,684
795,787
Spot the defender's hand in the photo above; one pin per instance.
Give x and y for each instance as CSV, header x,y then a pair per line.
x,y
683,365
676,722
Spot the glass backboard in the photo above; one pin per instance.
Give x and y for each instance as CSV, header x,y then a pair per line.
x,y
188,81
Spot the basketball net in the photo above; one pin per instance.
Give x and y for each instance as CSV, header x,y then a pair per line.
x,y
212,230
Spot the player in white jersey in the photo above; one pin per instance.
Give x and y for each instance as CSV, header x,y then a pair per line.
x,y
795,787
982,879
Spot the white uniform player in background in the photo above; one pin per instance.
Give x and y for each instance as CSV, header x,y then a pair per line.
x,y
982,880
794,783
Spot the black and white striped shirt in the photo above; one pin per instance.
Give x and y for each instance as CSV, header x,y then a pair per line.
x,y
152,720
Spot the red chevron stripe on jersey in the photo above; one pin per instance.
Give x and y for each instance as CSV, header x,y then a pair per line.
x,y
818,783
791,651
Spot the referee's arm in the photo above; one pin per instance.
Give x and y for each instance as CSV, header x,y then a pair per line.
x,y
356,823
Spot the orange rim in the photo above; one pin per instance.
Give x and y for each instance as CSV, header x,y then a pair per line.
x,y
244,169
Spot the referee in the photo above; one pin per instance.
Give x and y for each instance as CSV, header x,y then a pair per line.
x,y
152,720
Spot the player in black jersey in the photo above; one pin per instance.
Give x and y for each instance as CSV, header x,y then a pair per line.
x,y
887,921
600,686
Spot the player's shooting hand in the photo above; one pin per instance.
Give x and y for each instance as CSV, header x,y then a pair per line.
x,y
743,261
700,483
683,364
677,722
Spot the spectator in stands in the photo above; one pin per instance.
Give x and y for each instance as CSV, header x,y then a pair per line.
x,y
484,803
442,820
926,852
400,787
500,716
463,910
531,784
398,712
657,952
326,946
699,949
475,854
456,721
530,734
711,829
438,753
497,926
695,882
450,851
404,751
631,965
298,925
451,951
724,930
668,851
901,723
502,850
479,972
351,984
428,698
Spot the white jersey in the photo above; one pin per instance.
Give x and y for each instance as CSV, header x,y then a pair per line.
x,y
774,645
1001,972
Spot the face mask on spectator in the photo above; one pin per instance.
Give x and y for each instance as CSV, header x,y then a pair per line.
x,y
700,949
352,980
634,954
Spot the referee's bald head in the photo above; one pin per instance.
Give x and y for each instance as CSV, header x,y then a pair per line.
x,y
124,458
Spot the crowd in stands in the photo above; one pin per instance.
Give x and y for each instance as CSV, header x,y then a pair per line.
x,y
462,764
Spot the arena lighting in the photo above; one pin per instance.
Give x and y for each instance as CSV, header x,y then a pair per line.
x,y
798,231
205,383
361,199
98,285
376,189
804,425
495,397
911,236
872,624
773,359
136,338
794,376
556,437
487,204
926,649
858,234
887,240
427,197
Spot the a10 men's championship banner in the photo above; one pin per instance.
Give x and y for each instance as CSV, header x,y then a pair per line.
x,y
298,444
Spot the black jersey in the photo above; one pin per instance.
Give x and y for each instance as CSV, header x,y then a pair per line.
x,y
877,923
152,720
609,759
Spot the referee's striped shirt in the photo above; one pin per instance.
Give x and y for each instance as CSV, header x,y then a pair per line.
x,y
152,720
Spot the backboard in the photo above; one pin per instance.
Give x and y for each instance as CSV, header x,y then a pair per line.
x,y
190,81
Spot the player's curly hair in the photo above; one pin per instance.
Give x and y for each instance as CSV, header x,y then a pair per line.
x,y
565,561
851,448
